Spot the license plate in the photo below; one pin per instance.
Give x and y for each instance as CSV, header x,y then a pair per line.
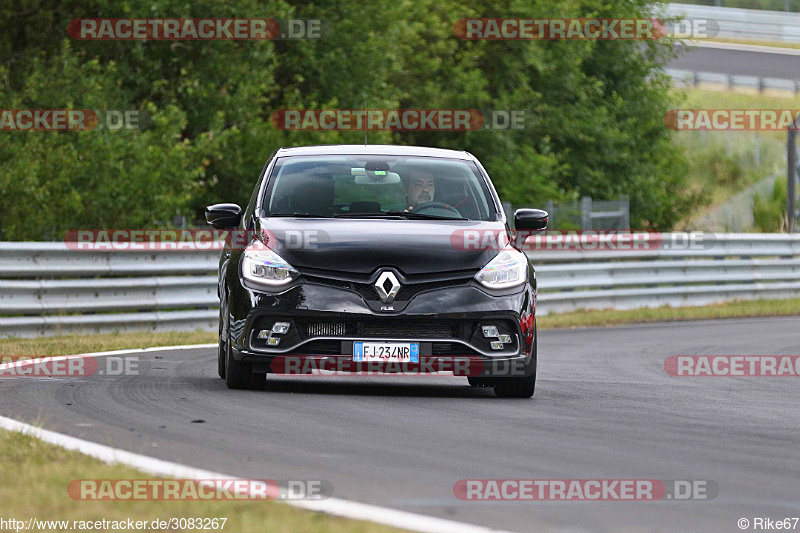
x,y
402,352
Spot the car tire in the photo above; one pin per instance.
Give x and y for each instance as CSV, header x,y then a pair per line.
x,y
239,375
519,387
221,345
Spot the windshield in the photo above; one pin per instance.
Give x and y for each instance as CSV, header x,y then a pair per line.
x,y
377,187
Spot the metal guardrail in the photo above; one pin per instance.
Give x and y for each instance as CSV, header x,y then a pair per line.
x,y
744,24
690,78
48,289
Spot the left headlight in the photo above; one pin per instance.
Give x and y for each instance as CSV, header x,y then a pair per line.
x,y
262,265
507,269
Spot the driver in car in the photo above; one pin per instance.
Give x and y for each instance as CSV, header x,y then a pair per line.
x,y
420,189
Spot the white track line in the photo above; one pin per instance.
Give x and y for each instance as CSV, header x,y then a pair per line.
x,y
158,467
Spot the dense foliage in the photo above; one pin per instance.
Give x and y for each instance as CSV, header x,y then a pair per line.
x,y
597,107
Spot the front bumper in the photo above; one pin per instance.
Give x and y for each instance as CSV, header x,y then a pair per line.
x,y
325,320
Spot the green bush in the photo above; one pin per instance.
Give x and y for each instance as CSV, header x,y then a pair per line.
x,y
769,213
595,107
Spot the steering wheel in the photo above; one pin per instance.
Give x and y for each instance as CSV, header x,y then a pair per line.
x,y
436,205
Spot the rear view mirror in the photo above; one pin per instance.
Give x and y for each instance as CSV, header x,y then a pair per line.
x,y
378,177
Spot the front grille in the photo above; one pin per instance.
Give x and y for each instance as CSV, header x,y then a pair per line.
x,y
393,328
325,329
381,327
368,292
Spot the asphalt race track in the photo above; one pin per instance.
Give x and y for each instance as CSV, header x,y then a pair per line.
x,y
762,64
604,408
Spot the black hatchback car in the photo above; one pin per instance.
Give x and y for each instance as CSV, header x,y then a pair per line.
x,y
393,258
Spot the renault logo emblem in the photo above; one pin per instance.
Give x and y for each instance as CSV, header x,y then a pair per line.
x,y
387,286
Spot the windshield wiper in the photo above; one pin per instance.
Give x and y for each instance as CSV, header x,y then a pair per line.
x,y
298,215
396,215
366,215
409,214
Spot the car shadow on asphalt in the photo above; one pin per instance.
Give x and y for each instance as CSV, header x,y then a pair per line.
x,y
362,388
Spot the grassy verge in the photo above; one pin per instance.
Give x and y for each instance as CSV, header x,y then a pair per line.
x,y
41,473
740,309
73,344
774,44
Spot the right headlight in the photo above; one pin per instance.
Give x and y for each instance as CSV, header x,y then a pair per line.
x,y
263,266
507,269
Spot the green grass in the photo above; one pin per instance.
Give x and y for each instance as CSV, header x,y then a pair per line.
x,y
774,44
36,475
608,317
74,344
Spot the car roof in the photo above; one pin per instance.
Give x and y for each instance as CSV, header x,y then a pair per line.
x,y
373,149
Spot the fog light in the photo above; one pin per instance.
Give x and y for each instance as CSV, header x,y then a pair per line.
x,y
496,345
263,334
280,328
490,331
273,341
505,339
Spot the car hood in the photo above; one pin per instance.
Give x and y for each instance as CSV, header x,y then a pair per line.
x,y
361,246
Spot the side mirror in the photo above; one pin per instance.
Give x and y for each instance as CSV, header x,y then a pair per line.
x,y
530,219
224,216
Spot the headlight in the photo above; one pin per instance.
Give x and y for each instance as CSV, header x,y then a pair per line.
x,y
507,269
262,265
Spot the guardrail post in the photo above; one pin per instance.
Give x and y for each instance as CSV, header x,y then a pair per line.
x,y
626,217
586,212
791,166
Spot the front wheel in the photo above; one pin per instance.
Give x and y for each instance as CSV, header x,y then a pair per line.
x,y
239,375
522,386
221,345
